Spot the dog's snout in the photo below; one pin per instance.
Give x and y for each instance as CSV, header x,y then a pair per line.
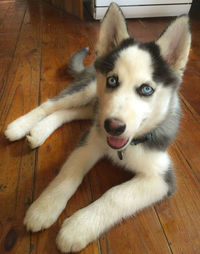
x,y
114,127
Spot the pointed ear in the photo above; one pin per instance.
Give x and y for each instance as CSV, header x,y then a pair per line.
x,y
175,43
112,31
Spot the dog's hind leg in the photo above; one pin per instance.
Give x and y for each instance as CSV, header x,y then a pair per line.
x,y
78,94
44,128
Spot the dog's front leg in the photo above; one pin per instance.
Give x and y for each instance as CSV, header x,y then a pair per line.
x,y
46,209
119,202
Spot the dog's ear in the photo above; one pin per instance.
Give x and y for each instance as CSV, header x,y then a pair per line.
x,y
112,31
175,43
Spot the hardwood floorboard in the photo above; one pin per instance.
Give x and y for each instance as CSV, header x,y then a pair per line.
x,y
4,10
11,19
190,85
17,173
188,140
179,214
35,46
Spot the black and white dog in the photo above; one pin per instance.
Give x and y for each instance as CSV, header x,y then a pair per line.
x,y
131,93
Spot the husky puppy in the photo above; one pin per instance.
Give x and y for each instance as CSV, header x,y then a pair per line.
x,y
131,93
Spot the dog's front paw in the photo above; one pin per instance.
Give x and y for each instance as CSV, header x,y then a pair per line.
x,y
40,132
36,137
76,233
19,128
16,130
42,214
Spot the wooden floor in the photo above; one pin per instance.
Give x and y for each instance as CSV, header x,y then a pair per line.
x,y
36,42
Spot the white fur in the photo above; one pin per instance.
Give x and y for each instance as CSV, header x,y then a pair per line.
x,y
20,127
175,44
43,129
109,36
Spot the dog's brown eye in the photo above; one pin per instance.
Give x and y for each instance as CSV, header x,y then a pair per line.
x,y
112,82
145,90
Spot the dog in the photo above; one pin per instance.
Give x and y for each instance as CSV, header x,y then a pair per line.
x,y
131,93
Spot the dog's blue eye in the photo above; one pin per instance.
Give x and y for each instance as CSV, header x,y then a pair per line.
x,y
112,82
145,90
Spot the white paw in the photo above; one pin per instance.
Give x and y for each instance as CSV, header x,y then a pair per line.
x,y
21,126
40,132
35,138
17,129
15,133
75,234
42,214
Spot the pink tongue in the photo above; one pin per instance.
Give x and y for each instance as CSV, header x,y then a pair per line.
x,y
117,142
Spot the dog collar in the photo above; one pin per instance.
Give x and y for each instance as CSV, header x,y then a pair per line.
x,y
134,142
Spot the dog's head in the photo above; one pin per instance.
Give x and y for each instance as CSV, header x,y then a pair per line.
x,y
136,81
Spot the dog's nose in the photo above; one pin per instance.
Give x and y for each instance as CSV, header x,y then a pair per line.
x,y
114,127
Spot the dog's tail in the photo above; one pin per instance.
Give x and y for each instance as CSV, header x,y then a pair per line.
x,y
76,66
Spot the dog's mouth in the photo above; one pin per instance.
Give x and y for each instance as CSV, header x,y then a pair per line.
x,y
117,143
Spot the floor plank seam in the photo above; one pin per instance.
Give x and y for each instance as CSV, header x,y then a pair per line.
x,y
137,231
192,111
186,161
164,233
18,176
99,246
31,246
41,55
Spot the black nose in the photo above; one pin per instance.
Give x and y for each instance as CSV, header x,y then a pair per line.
x,y
114,127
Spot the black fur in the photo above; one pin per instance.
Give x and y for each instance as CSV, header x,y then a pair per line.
x,y
162,71
83,139
106,63
164,134
169,178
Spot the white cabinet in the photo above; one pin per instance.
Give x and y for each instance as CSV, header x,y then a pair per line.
x,y
143,8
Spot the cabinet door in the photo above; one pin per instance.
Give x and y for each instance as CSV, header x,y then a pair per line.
x,y
74,7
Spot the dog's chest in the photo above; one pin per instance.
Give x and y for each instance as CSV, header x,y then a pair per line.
x,y
129,157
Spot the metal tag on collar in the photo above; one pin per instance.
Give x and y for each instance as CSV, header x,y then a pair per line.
x,y
120,155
